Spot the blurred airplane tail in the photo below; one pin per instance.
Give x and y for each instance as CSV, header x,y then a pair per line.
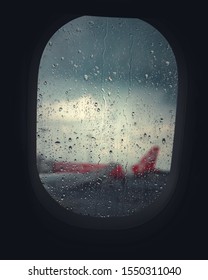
x,y
147,163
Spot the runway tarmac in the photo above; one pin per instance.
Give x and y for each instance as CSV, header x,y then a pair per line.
x,y
104,197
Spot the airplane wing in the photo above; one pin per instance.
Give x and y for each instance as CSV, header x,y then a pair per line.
x,y
72,180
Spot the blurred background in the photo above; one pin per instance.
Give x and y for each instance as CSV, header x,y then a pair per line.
x,y
107,92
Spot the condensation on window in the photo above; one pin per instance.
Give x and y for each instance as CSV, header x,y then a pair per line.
x,y
106,107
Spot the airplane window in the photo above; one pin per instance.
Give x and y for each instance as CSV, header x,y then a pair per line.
x,y
106,108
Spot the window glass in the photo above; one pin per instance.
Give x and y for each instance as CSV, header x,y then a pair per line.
x,y
106,106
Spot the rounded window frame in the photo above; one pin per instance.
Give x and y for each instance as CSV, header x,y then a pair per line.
x,y
110,223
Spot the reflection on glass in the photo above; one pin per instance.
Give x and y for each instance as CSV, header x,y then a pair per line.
x,y
106,105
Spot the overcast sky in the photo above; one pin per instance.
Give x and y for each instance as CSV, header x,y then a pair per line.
x,y
107,91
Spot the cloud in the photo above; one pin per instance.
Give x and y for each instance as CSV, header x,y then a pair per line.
x,y
83,108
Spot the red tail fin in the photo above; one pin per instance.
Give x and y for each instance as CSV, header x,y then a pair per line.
x,y
147,163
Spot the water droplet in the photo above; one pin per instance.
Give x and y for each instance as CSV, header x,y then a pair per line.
x,y
146,76
62,197
60,109
167,63
70,147
78,29
62,58
50,43
70,139
163,141
86,77
57,142
45,83
91,23
98,109
110,79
